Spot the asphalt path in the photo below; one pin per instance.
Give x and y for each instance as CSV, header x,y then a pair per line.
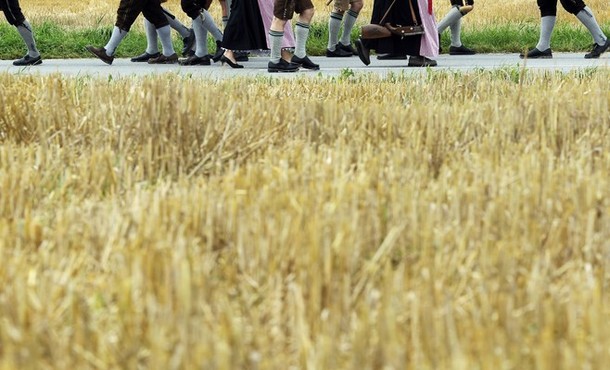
x,y
257,66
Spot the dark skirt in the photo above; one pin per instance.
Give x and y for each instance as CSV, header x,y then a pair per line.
x,y
399,15
245,29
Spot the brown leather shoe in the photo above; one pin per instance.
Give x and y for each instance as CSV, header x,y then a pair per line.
x,y
162,59
101,54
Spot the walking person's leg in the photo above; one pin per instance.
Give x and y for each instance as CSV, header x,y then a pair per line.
x,y
586,17
453,21
305,9
548,17
14,16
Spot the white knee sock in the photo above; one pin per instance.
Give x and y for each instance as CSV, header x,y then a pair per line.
x,y
152,46
275,38
546,30
456,31
210,25
301,32
587,18
176,24
452,16
165,35
25,30
117,36
334,26
201,37
348,24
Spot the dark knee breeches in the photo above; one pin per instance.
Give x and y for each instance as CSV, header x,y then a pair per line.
x,y
12,12
192,8
549,7
129,10
462,2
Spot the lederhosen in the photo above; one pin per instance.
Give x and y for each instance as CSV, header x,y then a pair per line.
x,y
192,8
549,7
285,9
462,2
12,12
129,10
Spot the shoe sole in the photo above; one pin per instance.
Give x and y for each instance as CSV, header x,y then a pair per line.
x,y
100,58
392,58
194,64
279,70
543,57
312,68
164,62
36,63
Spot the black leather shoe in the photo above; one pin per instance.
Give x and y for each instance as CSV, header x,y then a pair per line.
x,y
337,53
100,53
282,66
391,57
188,42
537,54
27,60
461,50
349,48
162,59
241,56
305,62
194,60
144,57
224,60
363,53
219,51
421,61
598,50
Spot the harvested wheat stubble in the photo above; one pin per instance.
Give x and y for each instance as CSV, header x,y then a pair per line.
x,y
447,221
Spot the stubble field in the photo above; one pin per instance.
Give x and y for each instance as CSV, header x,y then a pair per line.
x,y
433,221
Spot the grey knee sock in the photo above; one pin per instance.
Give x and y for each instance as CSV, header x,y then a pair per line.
x,y
588,19
117,36
456,31
275,38
546,30
348,24
176,24
452,16
25,30
201,37
301,33
208,23
165,35
334,26
152,46
225,20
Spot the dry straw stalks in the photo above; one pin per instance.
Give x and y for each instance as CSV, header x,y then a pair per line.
x,y
442,221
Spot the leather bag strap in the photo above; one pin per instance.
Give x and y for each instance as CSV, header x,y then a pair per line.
x,y
387,12
412,13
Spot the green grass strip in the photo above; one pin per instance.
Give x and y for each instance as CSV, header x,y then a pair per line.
x,y
57,42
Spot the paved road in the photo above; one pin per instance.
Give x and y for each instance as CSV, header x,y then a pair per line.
x,y
329,66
